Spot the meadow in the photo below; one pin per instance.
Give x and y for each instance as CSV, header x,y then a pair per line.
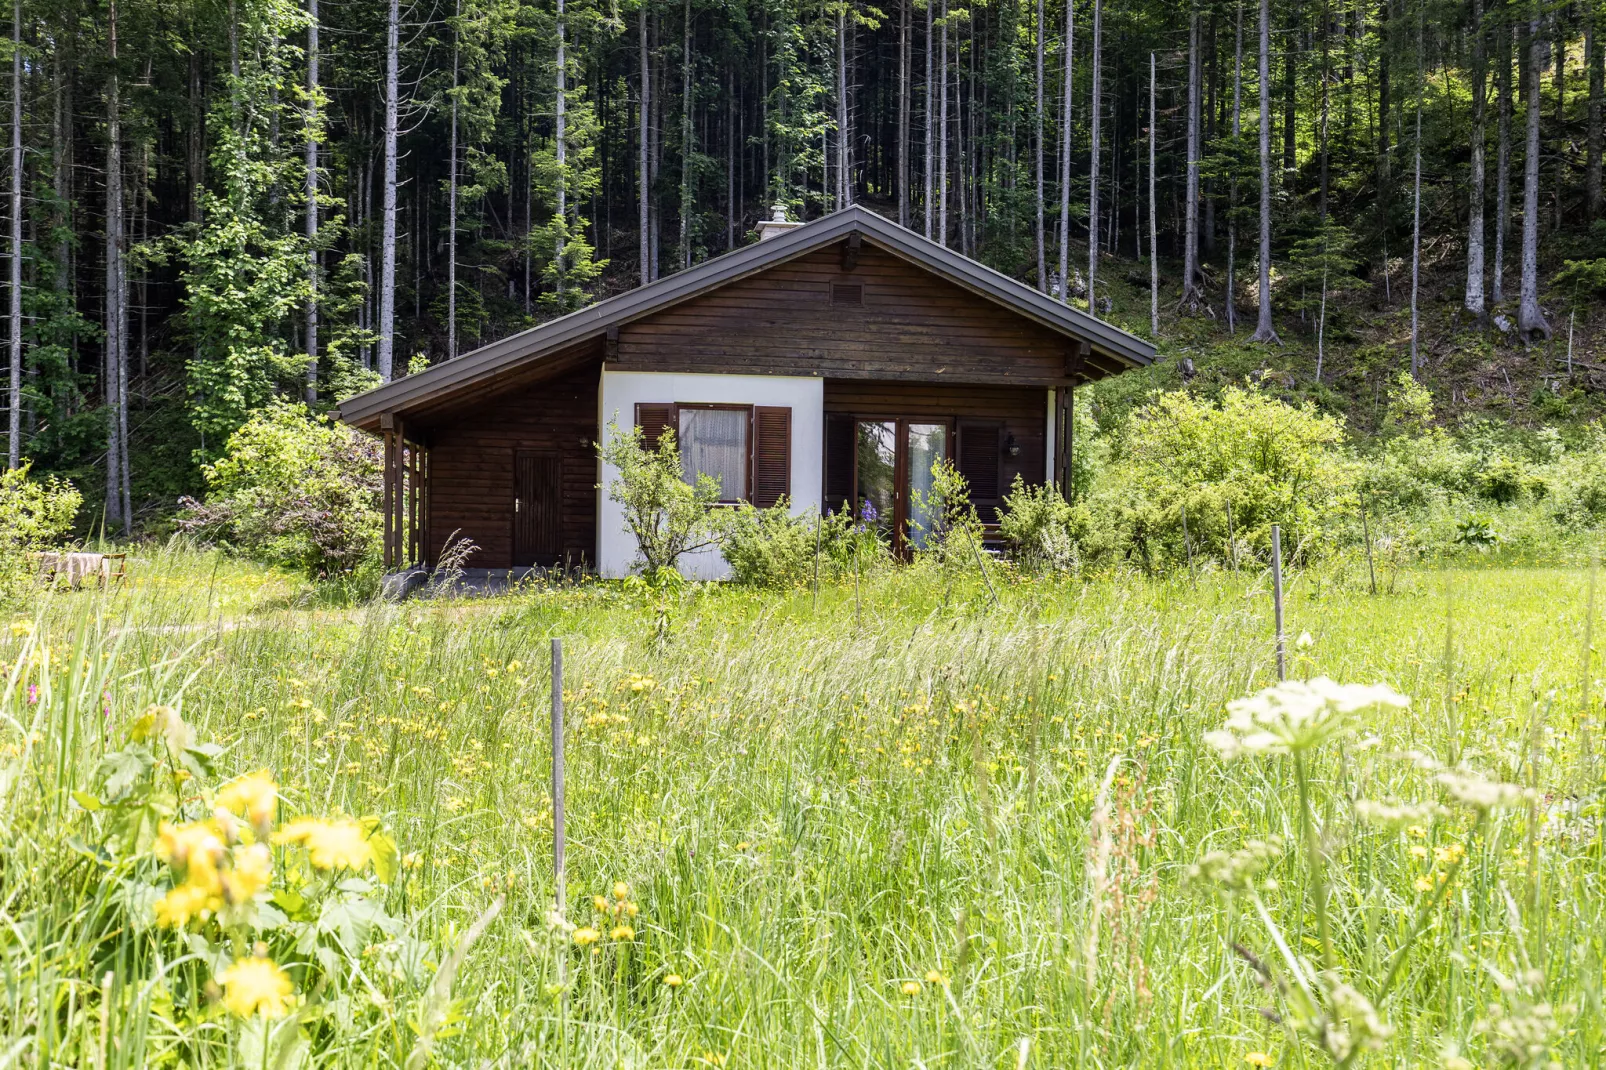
x,y
918,821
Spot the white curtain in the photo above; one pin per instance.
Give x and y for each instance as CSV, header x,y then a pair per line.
x,y
713,442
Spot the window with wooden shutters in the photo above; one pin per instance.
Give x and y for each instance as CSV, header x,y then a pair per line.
x,y
772,454
653,419
980,458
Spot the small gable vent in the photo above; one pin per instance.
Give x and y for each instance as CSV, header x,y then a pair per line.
x,y
847,293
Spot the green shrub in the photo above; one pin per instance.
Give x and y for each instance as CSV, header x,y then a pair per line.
x,y
769,547
296,490
666,515
952,531
1040,527
34,514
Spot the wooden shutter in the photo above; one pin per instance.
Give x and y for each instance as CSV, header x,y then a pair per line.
x,y
980,458
772,454
839,432
653,420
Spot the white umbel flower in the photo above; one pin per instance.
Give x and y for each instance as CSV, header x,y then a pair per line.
x,y
1296,715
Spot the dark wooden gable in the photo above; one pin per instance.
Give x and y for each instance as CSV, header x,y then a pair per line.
x,y
885,319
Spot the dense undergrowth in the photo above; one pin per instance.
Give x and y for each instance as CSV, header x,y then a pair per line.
x,y
918,820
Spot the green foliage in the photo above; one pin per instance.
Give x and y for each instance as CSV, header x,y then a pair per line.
x,y
775,548
296,490
1040,527
666,515
34,514
244,270
951,532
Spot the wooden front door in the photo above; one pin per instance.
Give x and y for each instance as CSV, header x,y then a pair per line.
x,y
537,508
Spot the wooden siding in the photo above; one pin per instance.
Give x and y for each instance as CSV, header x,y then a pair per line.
x,y
472,466
906,325
1022,411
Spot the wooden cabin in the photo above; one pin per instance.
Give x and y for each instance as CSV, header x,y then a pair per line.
x,y
829,363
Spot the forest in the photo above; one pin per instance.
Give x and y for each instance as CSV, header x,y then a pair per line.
x,y
212,204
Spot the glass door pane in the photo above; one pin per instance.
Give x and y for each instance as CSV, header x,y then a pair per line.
x,y
876,463
928,444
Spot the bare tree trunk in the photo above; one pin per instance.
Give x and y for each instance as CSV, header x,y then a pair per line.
x,y
1237,131
643,177
942,146
1264,331
1531,323
1037,154
560,147
685,137
1502,180
114,269
1154,243
1322,148
731,108
844,169
1065,153
1190,227
387,239
1093,165
1593,59
931,102
14,401
1416,211
310,393
451,192
1474,302
903,112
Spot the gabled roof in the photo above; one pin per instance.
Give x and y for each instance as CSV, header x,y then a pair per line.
x,y
1112,349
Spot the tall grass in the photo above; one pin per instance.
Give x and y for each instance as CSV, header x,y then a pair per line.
x,y
886,830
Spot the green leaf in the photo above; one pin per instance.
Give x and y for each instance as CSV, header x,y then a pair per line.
x,y
120,770
87,801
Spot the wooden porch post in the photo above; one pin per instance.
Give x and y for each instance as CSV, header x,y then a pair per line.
x,y
387,426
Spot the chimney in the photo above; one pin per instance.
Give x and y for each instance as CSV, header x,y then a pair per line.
x,y
776,225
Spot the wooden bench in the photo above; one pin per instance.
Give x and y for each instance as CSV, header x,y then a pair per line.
x,y
77,565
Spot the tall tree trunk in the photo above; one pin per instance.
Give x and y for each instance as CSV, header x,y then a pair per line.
x,y
931,130
685,137
560,148
731,109
1237,132
1154,244
1325,115
1384,161
1474,302
14,401
942,145
387,239
1595,60
1065,153
1531,322
114,270
451,190
1190,227
314,132
1502,179
1416,211
644,179
1264,331
1290,90
903,112
1037,153
844,166
1093,162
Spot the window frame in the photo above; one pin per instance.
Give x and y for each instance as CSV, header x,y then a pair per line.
x,y
680,406
900,466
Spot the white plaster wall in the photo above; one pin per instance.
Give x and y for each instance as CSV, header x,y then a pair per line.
x,y
622,390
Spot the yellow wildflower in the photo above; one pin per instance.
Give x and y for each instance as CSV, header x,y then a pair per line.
x,y
256,984
250,873
254,797
621,890
1259,1058
195,848
21,628
674,980
599,903
1423,884
936,977
586,935
330,844
622,932
183,903
911,988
